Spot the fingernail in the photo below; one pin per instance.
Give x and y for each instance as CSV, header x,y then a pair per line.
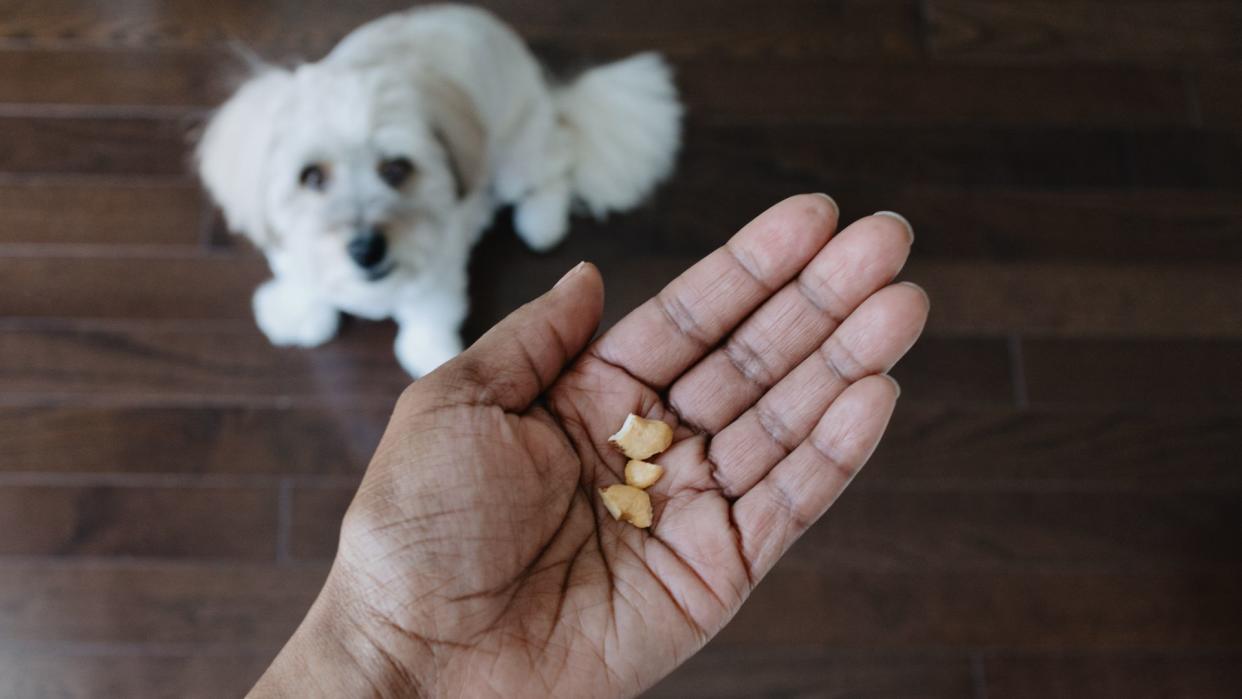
x,y
896,386
899,217
921,290
577,268
832,201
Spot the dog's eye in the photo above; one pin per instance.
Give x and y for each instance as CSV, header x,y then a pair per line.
x,y
396,171
313,177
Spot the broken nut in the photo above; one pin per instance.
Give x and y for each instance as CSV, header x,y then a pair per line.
x,y
628,504
641,474
640,438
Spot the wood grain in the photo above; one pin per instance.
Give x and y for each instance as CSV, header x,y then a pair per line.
x,y
113,78
877,29
1192,159
184,522
1121,372
114,146
1150,447
876,528
1114,226
1211,675
757,671
971,298
833,93
255,606
1078,31
956,371
66,674
1009,608
1076,299
717,84
315,521
1219,99
199,362
158,285
323,440
103,213
248,607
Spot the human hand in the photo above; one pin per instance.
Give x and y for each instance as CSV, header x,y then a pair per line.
x,y
477,559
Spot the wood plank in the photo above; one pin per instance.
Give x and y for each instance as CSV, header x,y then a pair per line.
x,y
66,674
99,212
1060,31
315,522
717,86
158,286
113,78
747,672
862,28
795,157
1075,300
255,606
1151,448
875,528
1133,373
970,298
244,606
803,157
112,146
1219,98
1157,226
1209,675
958,371
992,609
328,440
830,92
201,363
1188,158
180,522
1012,225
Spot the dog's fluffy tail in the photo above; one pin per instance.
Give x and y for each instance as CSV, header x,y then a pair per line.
x,y
624,123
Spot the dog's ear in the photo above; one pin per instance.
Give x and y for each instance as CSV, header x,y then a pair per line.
x,y
235,148
456,125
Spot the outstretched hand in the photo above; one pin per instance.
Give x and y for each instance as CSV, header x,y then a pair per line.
x,y
477,559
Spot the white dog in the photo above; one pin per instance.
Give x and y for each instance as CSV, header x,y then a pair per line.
x,y
366,178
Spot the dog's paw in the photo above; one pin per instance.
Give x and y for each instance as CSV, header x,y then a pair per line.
x,y
542,218
289,316
420,352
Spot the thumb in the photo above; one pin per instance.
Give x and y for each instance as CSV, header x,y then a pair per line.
x,y
523,354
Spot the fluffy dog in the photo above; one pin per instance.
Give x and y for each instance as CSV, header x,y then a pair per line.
x,y
367,177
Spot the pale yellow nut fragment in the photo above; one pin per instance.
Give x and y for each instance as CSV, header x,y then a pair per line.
x,y
640,438
627,503
641,474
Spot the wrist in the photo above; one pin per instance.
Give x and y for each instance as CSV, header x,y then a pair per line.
x,y
333,654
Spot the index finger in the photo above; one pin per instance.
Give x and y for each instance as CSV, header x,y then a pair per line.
x,y
661,339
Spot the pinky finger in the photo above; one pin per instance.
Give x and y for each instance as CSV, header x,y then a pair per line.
x,y
797,491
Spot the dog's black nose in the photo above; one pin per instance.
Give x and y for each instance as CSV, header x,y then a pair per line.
x,y
367,249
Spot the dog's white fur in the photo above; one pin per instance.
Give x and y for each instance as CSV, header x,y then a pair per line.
x,y
458,94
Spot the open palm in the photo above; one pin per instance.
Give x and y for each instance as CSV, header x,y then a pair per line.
x,y
477,549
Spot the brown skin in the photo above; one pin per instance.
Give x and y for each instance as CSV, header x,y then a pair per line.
x,y
476,559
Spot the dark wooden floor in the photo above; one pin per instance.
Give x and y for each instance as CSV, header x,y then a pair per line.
x,y
1056,512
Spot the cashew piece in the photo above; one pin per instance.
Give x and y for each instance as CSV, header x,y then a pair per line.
x,y
641,474
627,503
640,438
